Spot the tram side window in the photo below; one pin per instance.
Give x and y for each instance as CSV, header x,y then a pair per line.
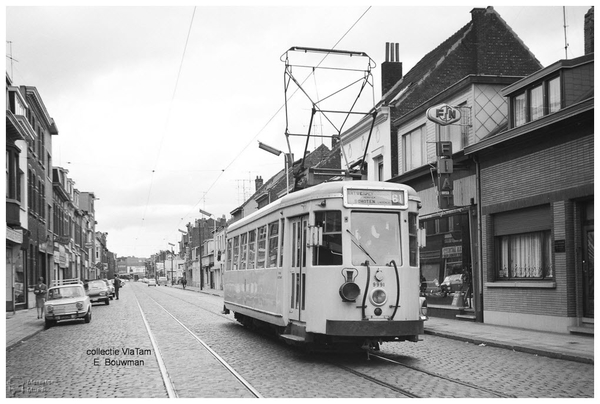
x,y
228,262
273,236
236,252
281,243
252,249
243,250
262,247
330,253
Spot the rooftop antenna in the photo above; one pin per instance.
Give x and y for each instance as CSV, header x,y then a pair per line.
x,y
565,28
10,57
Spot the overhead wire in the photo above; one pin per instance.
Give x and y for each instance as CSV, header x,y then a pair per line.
x,y
204,193
166,123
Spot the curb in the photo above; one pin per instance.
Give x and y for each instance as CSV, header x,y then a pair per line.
x,y
517,348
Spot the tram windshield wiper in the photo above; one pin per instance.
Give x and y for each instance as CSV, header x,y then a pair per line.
x,y
359,245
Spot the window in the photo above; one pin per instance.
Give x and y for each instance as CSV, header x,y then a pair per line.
x,y
375,237
252,249
236,252
519,110
273,238
413,240
554,95
536,107
262,246
281,244
458,132
534,102
525,256
330,253
522,243
243,250
413,145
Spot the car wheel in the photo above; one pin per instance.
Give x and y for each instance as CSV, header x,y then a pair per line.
x,y
50,323
107,302
88,316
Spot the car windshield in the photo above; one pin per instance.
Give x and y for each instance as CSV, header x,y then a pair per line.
x,y
65,292
375,237
97,284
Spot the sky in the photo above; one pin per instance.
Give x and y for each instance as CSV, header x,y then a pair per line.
x,y
160,108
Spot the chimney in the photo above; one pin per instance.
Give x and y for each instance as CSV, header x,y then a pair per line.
x,y
391,69
588,32
259,182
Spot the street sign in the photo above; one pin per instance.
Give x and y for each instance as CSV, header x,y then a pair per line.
x,y
443,114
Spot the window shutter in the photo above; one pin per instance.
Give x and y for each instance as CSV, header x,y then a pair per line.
x,y
523,221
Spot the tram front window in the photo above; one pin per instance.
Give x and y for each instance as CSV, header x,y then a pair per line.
x,y
375,238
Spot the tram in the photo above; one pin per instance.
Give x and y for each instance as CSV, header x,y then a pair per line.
x,y
335,264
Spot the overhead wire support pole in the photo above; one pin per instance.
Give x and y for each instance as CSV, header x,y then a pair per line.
x,y
362,164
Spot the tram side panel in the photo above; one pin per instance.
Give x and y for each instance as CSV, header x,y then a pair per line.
x,y
256,293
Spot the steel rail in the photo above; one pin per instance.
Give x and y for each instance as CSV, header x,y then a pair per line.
x,y
222,361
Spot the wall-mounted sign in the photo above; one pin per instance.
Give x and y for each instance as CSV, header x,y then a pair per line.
x,y
443,114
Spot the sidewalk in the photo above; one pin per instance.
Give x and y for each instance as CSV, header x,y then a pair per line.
x,y
580,348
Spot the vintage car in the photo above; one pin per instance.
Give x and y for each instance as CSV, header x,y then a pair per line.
x,y
451,284
162,281
151,282
111,287
98,291
67,301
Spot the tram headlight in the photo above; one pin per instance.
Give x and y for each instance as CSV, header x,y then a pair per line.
x,y
349,291
378,297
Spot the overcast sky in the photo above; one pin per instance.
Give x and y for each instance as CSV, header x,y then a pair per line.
x,y
159,109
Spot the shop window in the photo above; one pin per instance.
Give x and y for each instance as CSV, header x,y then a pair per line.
x,y
330,253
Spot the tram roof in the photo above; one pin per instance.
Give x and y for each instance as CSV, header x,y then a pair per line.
x,y
332,189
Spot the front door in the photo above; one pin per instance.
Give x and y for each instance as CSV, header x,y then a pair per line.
x,y
588,272
298,269
588,260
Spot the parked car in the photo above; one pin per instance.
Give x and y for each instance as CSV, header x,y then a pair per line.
x,y
162,281
451,284
68,301
151,282
111,288
145,280
98,291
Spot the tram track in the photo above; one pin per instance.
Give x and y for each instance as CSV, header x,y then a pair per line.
x,y
367,374
169,381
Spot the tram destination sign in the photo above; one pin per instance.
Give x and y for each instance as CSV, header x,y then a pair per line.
x,y
380,198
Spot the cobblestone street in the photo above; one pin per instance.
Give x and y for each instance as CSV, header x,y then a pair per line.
x,y
113,356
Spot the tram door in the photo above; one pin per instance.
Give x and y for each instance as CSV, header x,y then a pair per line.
x,y
297,278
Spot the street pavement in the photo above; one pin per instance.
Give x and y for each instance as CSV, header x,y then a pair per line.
x,y
23,324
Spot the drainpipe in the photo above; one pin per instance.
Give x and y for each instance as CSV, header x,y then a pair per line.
x,y
479,291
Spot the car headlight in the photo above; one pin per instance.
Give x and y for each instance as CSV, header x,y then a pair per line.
x,y
378,297
49,309
79,305
102,293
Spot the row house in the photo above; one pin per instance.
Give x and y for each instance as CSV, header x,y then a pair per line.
x,y
29,247
430,132
74,230
198,250
50,224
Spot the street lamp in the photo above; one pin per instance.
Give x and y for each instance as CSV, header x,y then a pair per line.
x,y
287,163
172,253
205,213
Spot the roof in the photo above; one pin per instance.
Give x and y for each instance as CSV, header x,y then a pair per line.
x,y
485,46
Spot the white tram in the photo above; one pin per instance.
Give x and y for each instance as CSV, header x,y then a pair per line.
x,y
332,264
